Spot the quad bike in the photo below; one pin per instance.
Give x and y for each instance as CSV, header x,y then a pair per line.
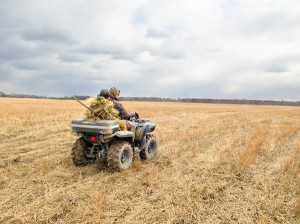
x,y
103,140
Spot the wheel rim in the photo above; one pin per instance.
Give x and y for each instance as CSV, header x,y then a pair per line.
x,y
152,147
124,156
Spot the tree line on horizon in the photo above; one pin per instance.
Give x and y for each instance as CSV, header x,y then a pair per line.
x,y
161,99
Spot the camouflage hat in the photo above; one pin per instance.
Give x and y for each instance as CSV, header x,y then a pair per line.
x,y
104,93
114,91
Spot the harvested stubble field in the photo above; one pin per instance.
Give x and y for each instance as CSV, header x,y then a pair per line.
x,y
216,164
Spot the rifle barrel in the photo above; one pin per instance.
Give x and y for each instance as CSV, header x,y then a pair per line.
x,y
83,104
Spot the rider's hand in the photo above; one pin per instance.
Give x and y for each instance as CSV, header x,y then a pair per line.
x,y
136,115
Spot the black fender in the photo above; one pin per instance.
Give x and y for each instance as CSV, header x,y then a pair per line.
x,y
149,127
126,135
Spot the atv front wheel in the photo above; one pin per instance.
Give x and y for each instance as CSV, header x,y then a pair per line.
x,y
120,155
150,149
79,153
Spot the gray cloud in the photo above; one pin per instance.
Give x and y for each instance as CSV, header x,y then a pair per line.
x,y
276,68
115,52
6,73
46,34
157,33
71,57
25,65
14,48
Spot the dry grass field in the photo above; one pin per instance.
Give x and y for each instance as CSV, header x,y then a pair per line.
x,y
215,164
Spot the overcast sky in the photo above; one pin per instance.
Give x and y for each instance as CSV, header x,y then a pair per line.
x,y
241,49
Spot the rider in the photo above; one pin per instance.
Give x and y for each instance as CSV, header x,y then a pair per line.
x,y
123,114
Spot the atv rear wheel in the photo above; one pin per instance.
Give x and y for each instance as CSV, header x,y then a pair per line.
x,y
150,149
120,155
79,153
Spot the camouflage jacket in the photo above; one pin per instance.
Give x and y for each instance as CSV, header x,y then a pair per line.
x,y
123,114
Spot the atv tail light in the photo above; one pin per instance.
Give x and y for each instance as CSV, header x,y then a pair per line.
x,y
93,138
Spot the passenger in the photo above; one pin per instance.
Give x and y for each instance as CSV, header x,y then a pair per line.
x,y
104,93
